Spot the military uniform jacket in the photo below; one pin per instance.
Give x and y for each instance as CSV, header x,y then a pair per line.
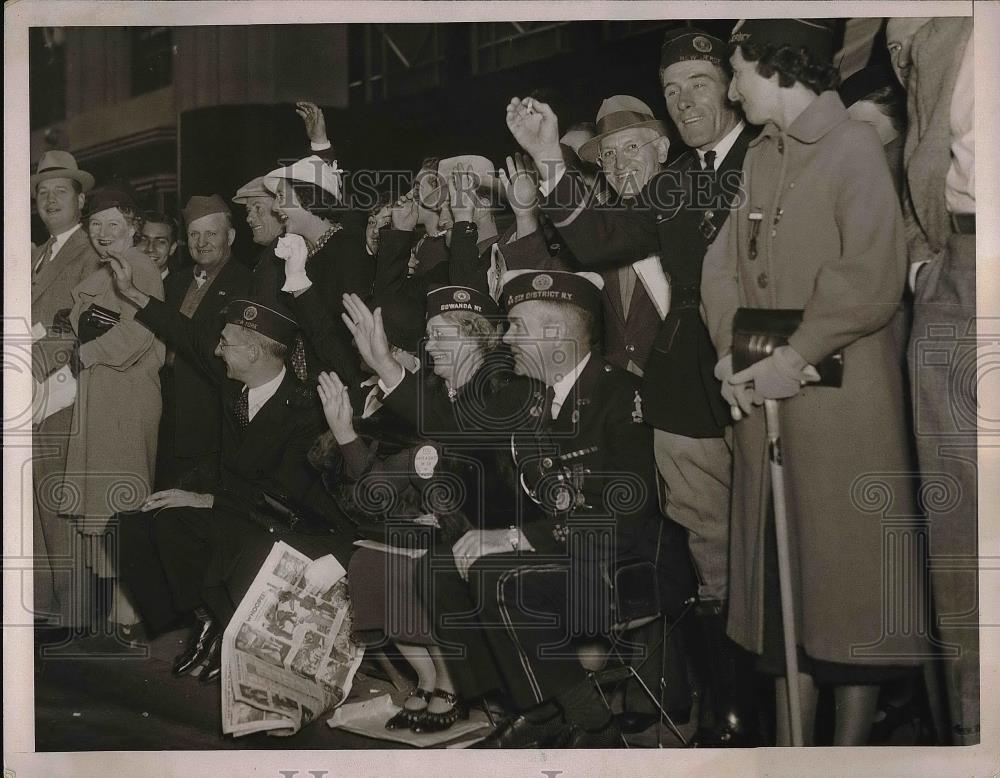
x,y
270,454
590,469
678,215
196,405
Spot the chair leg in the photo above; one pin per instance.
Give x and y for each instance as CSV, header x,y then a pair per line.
x,y
664,716
489,714
604,699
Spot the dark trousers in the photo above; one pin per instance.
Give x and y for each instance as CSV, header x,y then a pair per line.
x,y
513,625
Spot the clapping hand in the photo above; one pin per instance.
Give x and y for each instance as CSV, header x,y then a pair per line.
x,y
337,407
520,183
535,127
369,336
314,120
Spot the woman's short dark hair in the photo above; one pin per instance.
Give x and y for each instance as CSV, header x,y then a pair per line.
x,y
891,102
793,65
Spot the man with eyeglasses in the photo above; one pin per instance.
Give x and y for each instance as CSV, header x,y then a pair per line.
x,y
679,213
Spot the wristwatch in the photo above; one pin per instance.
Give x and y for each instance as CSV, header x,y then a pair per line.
x,y
514,537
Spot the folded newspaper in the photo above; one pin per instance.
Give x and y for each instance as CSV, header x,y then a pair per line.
x,y
287,654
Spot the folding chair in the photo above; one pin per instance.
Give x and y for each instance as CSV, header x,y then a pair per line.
x,y
635,603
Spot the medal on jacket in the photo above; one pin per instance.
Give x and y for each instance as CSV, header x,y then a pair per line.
x,y
707,226
637,408
756,216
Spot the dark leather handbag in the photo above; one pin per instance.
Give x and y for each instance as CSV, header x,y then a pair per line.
x,y
757,332
95,321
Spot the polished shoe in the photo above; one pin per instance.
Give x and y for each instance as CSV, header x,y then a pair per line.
x,y
439,722
732,732
518,732
407,718
212,671
198,650
632,723
608,736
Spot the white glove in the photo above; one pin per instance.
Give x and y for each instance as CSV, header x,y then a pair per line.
x,y
292,249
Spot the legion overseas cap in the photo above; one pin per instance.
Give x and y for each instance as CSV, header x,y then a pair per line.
x,y
446,299
813,35
200,205
560,286
689,43
252,188
257,317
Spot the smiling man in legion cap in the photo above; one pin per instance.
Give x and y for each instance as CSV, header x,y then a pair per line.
x,y
680,387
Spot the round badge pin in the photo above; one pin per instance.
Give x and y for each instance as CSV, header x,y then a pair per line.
x,y
461,296
542,282
250,312
702,44
424,461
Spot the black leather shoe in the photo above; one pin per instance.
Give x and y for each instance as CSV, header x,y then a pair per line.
x,y
609,736
632,723
518,732
732,732
212,671
198,650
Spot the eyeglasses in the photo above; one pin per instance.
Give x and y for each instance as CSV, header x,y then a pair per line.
x,y
630,150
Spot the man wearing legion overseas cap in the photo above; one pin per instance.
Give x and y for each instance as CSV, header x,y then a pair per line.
x,y
270,421
819,234
190,428
594,442
679,213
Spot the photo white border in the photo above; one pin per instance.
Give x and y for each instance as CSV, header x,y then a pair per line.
x,y
18,674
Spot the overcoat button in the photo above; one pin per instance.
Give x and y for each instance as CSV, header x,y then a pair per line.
x,y
762,280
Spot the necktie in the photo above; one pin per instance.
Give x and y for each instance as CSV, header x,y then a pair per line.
x,y
549,405
243,408
298,358
710,160
46,254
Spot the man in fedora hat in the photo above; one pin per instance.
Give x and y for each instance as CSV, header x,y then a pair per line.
x,y
189,443
59,189
681,211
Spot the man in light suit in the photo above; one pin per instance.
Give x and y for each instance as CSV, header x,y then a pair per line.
x,y
935,63
57,266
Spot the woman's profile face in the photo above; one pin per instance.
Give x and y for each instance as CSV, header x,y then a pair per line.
x,y
110,230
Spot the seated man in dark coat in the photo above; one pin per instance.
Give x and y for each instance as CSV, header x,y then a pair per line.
x,y
177,551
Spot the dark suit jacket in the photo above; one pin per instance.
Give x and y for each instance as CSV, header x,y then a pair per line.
x,y
270,454
679,211
194,398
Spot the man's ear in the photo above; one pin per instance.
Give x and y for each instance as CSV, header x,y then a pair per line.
x,y
80,200
232,235
662,146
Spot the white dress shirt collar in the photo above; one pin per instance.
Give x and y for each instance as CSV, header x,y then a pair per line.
x,y
259,395
562,387
723,146
58,241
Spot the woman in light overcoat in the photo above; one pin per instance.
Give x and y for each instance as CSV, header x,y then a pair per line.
x,y
112,451
820,230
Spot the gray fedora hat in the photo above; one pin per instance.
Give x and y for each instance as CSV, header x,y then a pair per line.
x,y
60,164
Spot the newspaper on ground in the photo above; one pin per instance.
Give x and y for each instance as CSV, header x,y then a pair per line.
x,y
287,654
